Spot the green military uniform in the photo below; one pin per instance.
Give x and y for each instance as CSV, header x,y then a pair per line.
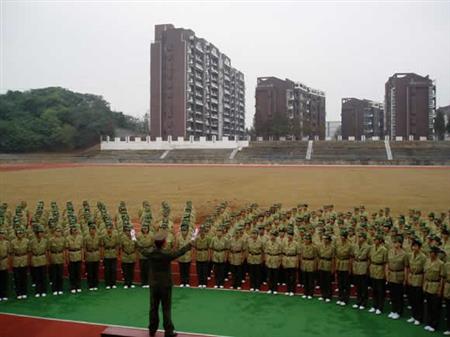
x,y
433,271
74,245
360,269
378,259
397,262
5,251
236,257
56,247
289,261
144,241
202,244
38,249
19,252
111,243
92,246
219,248
272,253
128,248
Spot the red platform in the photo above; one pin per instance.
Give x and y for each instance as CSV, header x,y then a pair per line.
x,y
112,331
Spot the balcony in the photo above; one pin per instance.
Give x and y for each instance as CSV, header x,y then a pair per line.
x,y
198,102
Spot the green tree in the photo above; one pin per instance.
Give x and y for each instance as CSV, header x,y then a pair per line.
x,y
439,125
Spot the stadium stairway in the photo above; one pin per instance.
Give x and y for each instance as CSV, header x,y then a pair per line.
x,y
273,152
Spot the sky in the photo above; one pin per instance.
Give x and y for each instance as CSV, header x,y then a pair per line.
x,y
347,49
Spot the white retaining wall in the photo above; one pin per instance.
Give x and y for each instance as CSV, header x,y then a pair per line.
x,y
180,143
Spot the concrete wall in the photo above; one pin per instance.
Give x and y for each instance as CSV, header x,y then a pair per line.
x,y
138,144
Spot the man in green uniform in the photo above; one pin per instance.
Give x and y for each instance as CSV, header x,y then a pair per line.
x,y
236,258
184,261
308,265
360,270
291,252
19,252
128,248
446,295
343,267
326,253
378,259
56,249
416,263
255,249
272,255
432,289
218,251
201,245
74,245
38,249
111,243
397,264
5,250
92,246
144,240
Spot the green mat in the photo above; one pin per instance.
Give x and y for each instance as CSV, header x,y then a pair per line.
x,y
219,312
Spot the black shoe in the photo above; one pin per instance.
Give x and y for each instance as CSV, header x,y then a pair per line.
x,y
152,333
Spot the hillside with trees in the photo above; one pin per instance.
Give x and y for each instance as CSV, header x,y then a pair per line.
x,y
57,119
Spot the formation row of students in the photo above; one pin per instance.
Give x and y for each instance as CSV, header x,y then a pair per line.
x,y
406,254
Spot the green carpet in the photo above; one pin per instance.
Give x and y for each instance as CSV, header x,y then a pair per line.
x,y
228,313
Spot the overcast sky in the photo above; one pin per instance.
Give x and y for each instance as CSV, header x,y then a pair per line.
x,y
347,49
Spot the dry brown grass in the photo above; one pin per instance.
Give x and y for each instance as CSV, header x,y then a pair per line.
x,y
399,188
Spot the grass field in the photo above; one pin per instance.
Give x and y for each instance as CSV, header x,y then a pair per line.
x,y
398,187
219,312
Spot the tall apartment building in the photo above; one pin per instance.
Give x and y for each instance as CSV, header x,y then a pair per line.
x,y
410,105
362,117
194,89
303,106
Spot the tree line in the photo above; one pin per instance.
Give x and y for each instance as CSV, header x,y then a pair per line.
x,y
57,119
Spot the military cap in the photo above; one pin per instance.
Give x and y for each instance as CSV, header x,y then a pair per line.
x,y
398,239
362,235
416,241
326,237
274,232
379,237
2,231
445,231
20,230
435,249
290,231
92,226
344,233
307,236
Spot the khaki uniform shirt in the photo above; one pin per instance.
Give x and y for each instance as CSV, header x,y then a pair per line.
x,y
291,251
326,254
19,251
397,262
446,277
56,247
219,248
181,242
201,246
92,246
433,272
144,241
38,249
255,251
237,251
416,265
308,258
361,259
272,251
111,244
5,250
378,259
128,247
74,243
343,255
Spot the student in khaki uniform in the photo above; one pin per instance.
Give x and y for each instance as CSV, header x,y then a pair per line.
x,y
184,261
5,251
19,252
397,265
218,251
111,243
144,240
255,249
432,286
360,270
128,249
416,264
326,254
201,245
92,245
291,251
272,254
343,267
446,295
74,245
308,265
56,245
378,259
38,249
236,257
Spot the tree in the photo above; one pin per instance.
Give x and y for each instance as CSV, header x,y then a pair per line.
x,y
439,125
52,119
